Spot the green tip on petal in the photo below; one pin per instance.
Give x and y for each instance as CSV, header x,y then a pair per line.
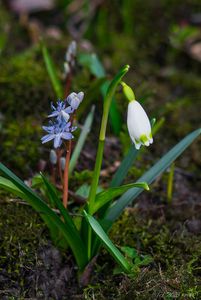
x,y
143,138
150,135
128,92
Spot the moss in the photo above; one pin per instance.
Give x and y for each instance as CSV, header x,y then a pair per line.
x,y
24,85
176,253
20,236
20,144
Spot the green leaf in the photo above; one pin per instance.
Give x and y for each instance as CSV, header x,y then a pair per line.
x,y
84,190
112,249
11,187
49,216
115,211
104,197
51,70
91,61
129,252
82,138
67,219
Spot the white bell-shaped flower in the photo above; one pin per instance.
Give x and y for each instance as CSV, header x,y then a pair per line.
x,y
139,127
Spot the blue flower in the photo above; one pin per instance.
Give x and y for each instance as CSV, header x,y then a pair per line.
x,y
61,128
58,131
74,99
61,111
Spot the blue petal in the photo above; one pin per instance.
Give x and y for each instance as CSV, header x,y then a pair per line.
x,y
47,138
53,114
67,136
48,128
57,141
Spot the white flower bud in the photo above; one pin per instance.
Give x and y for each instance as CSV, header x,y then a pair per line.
x,y
139,127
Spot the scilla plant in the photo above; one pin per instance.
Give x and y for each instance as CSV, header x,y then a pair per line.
x,y
86,232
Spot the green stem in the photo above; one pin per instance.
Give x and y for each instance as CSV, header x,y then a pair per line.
x,y
96,173
99,157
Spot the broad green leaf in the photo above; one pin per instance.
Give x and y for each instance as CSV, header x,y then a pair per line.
x,y
104,197
82,138
49,216
51,70
115,211
112,249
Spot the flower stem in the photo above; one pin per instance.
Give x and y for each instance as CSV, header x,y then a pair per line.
x,y
65,181
59,154
99,157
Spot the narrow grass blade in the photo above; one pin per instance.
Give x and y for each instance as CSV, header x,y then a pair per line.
x,y
104,197
49,216
51,70
112,249
115,210
82,138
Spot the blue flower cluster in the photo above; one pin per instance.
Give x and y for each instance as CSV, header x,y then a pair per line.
x,y
61,127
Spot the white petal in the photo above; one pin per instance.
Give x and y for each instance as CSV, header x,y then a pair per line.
x,y
137,121
146,143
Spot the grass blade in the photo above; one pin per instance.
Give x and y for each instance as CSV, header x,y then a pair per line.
x,y
104,197
51,70
112,249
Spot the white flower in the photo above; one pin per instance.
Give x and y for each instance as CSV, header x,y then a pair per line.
x,y
139,127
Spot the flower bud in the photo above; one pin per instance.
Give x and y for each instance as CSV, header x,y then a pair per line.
x,y
53,157
128,92
62,162
75,99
